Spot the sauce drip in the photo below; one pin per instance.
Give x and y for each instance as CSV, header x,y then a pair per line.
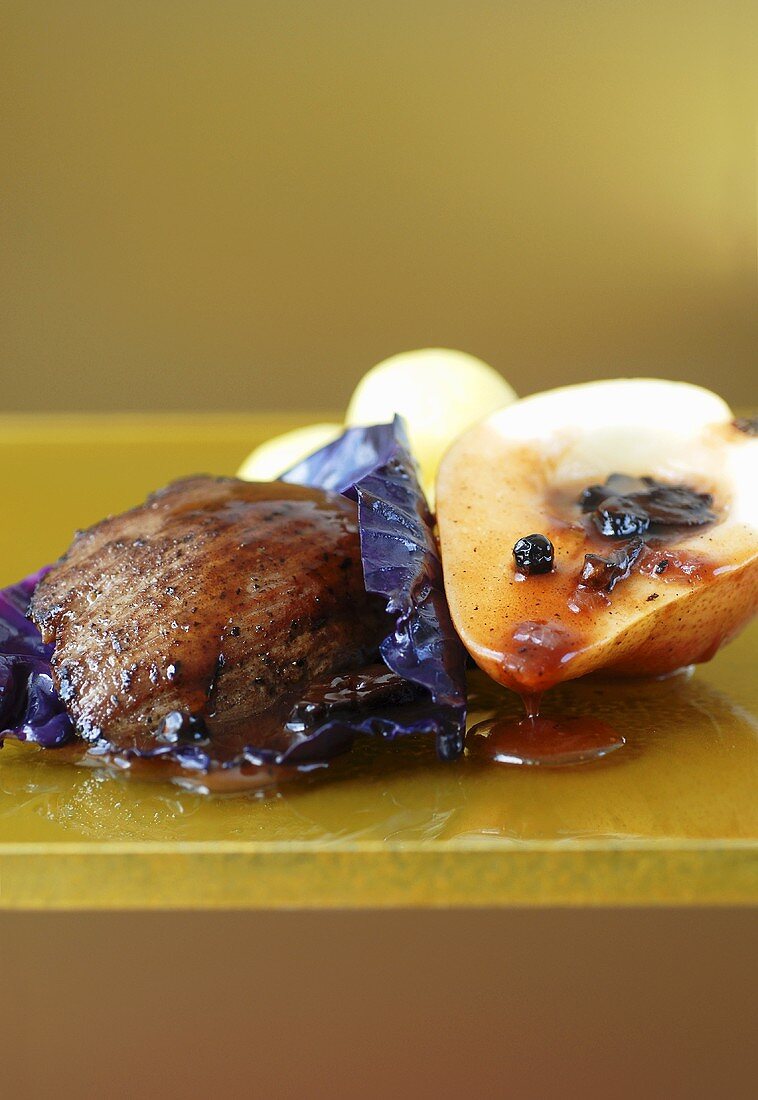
x,y
538,650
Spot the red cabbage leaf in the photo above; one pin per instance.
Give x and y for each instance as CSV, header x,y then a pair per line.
x,y
30,709
373,466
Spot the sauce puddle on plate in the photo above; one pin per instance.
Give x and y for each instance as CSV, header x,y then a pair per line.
x,y
546,742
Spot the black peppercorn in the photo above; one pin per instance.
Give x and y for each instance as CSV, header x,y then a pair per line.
x,y
534,554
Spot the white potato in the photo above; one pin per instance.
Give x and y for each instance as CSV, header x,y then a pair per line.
x,y
439,393
277,455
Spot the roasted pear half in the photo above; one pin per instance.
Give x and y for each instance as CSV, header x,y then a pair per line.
x,y
632,508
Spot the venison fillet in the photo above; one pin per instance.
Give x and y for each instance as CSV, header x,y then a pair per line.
x,y
216,599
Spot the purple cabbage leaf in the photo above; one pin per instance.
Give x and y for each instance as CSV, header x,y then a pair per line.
x,y
373,466
30,709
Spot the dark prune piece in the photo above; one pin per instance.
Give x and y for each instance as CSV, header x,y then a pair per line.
x,y
602,574
678,506
616,485
619,517
747,424
534,554
627,506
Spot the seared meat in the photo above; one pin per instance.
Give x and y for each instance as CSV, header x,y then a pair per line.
x,y
216,598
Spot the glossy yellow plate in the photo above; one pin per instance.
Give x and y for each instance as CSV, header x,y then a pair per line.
x,y
670,818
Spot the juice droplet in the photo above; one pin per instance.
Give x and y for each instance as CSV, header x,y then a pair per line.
x,y
549,742
532,704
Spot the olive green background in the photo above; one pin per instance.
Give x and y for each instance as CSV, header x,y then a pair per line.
x,y
243,205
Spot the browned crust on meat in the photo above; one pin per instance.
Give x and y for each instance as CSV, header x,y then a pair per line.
x,y
214,598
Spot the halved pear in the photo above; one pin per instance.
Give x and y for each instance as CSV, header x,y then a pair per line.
x,y
521,471
439,393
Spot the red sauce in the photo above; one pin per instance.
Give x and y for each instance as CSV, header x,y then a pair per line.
x,y
669,565
372,690
248,777
547,742
536,652
593,578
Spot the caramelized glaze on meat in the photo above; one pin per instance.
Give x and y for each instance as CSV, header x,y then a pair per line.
x,y
215,598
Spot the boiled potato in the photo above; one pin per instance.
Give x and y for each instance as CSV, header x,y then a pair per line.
x,y
277,455
439,393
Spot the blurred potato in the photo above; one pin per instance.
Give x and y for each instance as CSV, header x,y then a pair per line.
x,y
277,455
438,392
